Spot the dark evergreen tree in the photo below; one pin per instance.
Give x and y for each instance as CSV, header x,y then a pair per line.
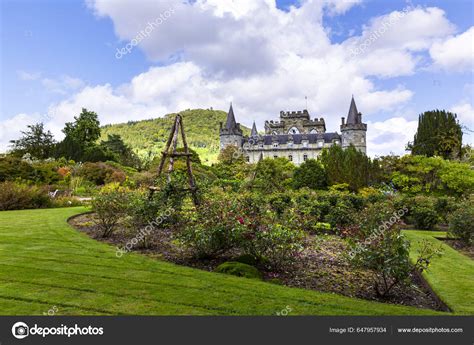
x,y
439,134
122,152
35,141
349,166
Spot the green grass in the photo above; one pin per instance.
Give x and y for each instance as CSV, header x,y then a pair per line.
x,y
451,276
45,263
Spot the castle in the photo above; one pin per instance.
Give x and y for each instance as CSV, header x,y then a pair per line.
x,y
296,136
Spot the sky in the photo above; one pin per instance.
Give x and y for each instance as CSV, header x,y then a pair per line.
x,y
141,59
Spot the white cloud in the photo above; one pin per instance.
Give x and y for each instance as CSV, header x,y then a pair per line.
x,y
62,85
211,52
24,75
465,113
456,53
390,136
10,129
390,44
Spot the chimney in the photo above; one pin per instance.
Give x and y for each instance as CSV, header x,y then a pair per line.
x,y
342,121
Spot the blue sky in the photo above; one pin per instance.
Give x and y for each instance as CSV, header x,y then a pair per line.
x,y
57,54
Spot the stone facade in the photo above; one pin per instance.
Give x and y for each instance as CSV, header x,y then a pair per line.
x,y
295,137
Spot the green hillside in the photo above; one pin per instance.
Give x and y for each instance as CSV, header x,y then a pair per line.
x,y
148,137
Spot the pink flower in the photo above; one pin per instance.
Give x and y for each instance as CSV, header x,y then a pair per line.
x,y
241,220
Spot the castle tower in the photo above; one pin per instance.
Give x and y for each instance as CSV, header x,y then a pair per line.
x,y
230,134
354,131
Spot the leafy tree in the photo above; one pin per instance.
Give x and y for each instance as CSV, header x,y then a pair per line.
x,y
439,134
85,129
419,174
80,141
231,166
310,174
273,174
35,141
231,154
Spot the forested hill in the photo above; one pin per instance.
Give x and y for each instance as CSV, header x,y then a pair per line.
x,y
148,137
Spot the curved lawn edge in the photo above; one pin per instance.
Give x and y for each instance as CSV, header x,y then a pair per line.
x,y
44,261
450,276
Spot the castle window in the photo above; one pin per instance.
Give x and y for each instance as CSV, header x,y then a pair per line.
x,y
305,157
293,130
275,156
247,158
275,144
361,140
290,158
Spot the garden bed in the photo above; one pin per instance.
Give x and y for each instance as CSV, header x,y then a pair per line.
x,y
459,246
322,266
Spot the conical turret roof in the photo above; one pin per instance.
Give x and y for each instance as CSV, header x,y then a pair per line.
x,y
230,123
254,132
353,115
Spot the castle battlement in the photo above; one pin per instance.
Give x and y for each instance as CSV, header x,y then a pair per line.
x,y
294,114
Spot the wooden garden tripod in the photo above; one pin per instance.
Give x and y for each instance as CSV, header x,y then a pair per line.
x,y
173,140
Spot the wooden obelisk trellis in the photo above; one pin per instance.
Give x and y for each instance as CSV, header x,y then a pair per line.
x,y
173,142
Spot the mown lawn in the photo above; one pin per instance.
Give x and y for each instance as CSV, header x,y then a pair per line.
x,y
451,276
44,263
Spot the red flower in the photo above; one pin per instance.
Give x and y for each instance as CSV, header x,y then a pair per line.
x,y
241,220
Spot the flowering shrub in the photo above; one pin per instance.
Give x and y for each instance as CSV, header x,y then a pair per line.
x,y
243,223
388,256
213,229
110,207
276,245
380,216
